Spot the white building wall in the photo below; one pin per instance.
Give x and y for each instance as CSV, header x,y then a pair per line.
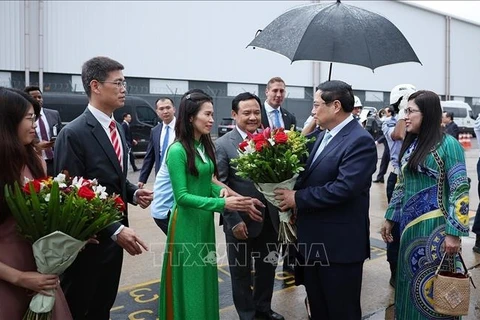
x,y
465,59
11,35
206,41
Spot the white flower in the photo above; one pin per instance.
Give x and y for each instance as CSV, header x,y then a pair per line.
x,y
77,182
249,149
100,191
60,178
47,197
26,180
271,141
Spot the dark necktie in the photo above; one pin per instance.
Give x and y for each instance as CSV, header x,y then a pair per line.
x,y
44,136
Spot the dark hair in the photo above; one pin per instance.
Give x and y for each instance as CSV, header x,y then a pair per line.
x,y
391,110
189,107
163,98
243,97
449,114
337,90
98,68
430,133
28,89
14,156
125,115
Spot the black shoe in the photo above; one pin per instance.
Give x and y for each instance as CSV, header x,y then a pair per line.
x,y
268,315
135,170
379,181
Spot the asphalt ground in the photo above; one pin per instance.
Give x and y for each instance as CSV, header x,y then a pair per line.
x,y
138,295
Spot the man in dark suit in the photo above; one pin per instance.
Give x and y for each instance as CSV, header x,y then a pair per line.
x,y
127,118
166,112
332,202
274,116
245,237
450,126
48,127
93,146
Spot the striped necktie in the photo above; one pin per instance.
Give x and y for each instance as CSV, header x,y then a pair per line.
x,y
116,141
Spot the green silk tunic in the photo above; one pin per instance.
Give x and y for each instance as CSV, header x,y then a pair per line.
x,y
189,281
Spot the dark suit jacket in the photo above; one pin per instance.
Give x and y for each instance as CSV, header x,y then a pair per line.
x,y
226,149
153,154
128,134
332,198
452,129
84,149
53,119
288,119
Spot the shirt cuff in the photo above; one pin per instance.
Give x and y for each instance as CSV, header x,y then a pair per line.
x,y
114,236
134,200
236,225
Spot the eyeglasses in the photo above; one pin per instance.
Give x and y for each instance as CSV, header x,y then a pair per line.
x,y
410,110
32,117
119,83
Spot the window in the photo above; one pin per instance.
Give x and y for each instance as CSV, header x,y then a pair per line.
x,y
147,115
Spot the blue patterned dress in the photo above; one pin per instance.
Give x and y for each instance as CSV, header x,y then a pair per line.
x,y
421,201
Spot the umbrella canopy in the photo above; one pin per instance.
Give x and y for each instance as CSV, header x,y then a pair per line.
x,y
336,33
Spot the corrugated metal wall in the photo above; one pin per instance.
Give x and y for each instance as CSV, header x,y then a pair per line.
x,y
12,35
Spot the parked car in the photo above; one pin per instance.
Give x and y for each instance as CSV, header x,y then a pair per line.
x,y
226,125
144,117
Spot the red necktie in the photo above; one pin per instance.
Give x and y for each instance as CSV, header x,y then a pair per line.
x,y
44,136
115,141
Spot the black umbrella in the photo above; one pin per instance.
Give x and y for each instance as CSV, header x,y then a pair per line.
x,y
336,32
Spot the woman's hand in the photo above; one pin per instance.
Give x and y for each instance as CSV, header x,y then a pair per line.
x,y
386,231
452,244
236,203
37,282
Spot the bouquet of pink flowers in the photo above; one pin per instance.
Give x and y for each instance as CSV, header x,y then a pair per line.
x,y
272,159
58,215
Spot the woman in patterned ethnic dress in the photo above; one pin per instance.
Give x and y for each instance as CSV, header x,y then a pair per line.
x,y
430,202
189,285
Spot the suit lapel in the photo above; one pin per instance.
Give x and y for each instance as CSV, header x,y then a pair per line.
x,y
236,138
332,145
104,142
156,141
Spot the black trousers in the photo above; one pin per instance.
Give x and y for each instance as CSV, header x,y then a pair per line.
x,y
334,290
394,246
384,162
91,283
240,254
132,159
163,223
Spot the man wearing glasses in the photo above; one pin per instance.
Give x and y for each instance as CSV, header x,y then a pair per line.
x,y
94,146
48,125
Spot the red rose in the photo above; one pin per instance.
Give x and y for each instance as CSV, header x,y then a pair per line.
x,y
36,186
280,137
243,145
86,193
259,145
119,204
258,138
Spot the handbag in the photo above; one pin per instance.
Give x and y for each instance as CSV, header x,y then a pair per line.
x,y
451,290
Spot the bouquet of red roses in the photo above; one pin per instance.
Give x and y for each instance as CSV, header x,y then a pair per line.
x,y
58,215
272,159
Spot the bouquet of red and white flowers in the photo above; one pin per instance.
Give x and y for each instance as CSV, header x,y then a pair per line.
x,y
58,215
272,159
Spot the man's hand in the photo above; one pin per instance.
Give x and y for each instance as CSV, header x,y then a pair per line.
x,y
240,231
286,198
253,212
44,145
128,240
140,184
144,197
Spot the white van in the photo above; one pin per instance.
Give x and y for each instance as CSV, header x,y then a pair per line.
x,y
462,114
